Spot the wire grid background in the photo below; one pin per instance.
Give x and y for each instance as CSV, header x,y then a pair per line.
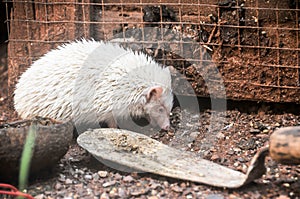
x,y
254,44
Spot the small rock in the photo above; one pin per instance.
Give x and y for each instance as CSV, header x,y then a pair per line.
x,y
183,185
196,188
102,174
48,193
88,177
117,176
128,179
153,192
190,196
153,197
122,193
215,157
282,197
139,191
236,164
176,188
171,133
286,184
214,196
104,196
254,131
96,176
78,171
241,159
97,193
244,168
40,196
166,183
265,131
62,178
58,186
230,152
194,134
79,186
220,135
113,192
232,196
108,184
68,181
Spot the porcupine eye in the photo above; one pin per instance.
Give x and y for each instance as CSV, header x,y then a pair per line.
x,y
161,110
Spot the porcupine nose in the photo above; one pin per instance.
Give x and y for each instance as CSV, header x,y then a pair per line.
x,y
166,127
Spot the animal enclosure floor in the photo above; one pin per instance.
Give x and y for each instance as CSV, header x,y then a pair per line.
x,y
232,144
79,175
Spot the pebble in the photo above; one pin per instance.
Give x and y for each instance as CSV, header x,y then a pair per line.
x,y
286,184
68,181
96,176
220,135
40,196
153,192
244,168
236,164
122,193
263,32
48,193
139,192
230,152
79,171
88,177
282,197
214,196
104,196
153,197
108,184
232,196
62,178
117,176
254,131
154,185
190,196
215,157
277,124
58,186
128,179
241,159
166,183
102,174
176,188
265,131
113,192
194,134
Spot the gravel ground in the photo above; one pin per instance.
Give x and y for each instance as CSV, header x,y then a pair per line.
x,y
232,144
79,175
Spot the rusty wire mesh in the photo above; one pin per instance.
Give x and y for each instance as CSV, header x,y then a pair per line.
x,y
254,44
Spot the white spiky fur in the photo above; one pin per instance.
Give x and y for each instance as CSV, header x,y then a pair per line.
x,y
86,80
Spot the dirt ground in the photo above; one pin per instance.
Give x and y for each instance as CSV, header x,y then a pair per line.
x,y
246,128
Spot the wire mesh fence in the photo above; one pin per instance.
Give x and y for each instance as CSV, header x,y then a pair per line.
x,y
255,45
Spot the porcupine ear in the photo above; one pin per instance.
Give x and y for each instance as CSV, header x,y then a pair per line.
x,y
154,93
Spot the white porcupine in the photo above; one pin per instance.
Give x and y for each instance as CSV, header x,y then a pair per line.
x,y
92,81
